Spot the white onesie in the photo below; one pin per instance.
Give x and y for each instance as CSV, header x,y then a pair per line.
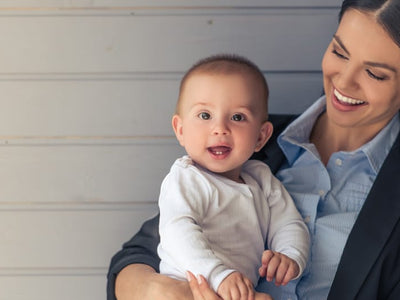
x,y
212,225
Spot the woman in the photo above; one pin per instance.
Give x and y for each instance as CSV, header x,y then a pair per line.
x,y
339,160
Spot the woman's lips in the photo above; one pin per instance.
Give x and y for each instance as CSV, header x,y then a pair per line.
x,y
346,100
344,103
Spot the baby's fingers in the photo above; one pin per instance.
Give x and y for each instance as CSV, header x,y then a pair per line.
x,y
265,259
236,287
272,268
281,273
291,273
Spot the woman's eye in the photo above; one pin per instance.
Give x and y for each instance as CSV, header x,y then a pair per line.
x,y
372,75
334,51
237,117
204,116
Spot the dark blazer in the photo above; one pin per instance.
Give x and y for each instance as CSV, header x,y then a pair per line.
x,y
369,268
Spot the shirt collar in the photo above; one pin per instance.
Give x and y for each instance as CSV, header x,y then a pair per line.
x,y
296,135
378,148
295,138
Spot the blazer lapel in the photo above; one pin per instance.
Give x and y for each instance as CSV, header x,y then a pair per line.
x,y
377,218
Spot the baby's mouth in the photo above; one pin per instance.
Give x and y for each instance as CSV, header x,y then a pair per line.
x,y
219,150
347,100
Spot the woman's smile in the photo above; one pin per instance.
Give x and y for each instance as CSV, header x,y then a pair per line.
x,y
346,100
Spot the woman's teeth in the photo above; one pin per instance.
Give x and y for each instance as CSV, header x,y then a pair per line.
x,y
347,100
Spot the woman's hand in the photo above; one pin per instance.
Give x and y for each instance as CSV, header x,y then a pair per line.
x,y
202,291
141,282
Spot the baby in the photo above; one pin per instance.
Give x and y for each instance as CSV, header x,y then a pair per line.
x,y
218,208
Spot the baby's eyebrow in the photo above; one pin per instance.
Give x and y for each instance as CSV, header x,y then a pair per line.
x,y
200,104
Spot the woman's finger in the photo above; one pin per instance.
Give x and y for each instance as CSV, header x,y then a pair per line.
x,y
194,286
200,288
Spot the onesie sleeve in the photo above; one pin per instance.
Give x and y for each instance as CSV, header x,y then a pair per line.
x,y
287,232
184,201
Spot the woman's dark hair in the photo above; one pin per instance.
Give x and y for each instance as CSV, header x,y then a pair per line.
x,y
387,13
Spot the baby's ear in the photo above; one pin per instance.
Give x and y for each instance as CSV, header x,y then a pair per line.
x,y
265,133
178,128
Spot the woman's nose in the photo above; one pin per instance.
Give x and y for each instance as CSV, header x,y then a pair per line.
x,y
347,77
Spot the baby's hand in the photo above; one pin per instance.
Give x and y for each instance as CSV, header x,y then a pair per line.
x,y
236,287
279,266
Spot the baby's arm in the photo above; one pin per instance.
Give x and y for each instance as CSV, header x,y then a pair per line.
x,y
278,266
184,245
288,236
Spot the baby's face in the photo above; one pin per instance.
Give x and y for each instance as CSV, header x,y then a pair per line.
x,y
221,121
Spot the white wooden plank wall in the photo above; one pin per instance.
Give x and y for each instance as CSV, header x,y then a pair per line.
x,y
87,92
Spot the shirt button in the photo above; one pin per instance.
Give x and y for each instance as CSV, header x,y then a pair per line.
x,y
307,219
338,162
321,192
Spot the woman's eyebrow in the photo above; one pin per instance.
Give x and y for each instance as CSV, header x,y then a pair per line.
x,y
369,63
381,65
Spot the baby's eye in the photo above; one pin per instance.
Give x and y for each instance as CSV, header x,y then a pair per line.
x,y
204,116
237,117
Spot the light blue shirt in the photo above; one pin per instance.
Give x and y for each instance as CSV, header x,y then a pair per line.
x,y
329,198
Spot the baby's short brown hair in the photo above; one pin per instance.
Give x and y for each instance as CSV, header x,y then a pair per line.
x,y
226,64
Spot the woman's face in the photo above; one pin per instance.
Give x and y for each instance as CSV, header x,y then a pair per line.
x,y
361,69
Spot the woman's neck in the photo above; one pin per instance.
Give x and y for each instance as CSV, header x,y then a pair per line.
x,y
329,138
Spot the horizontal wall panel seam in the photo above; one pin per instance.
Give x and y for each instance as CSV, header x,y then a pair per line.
x,y
39,271
161,3
15,141
148,11
33,206
121,76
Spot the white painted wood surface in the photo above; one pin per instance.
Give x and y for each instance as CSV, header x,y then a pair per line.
x,y
88,89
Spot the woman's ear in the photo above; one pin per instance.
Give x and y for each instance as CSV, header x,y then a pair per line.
x,y
178,128
265,133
